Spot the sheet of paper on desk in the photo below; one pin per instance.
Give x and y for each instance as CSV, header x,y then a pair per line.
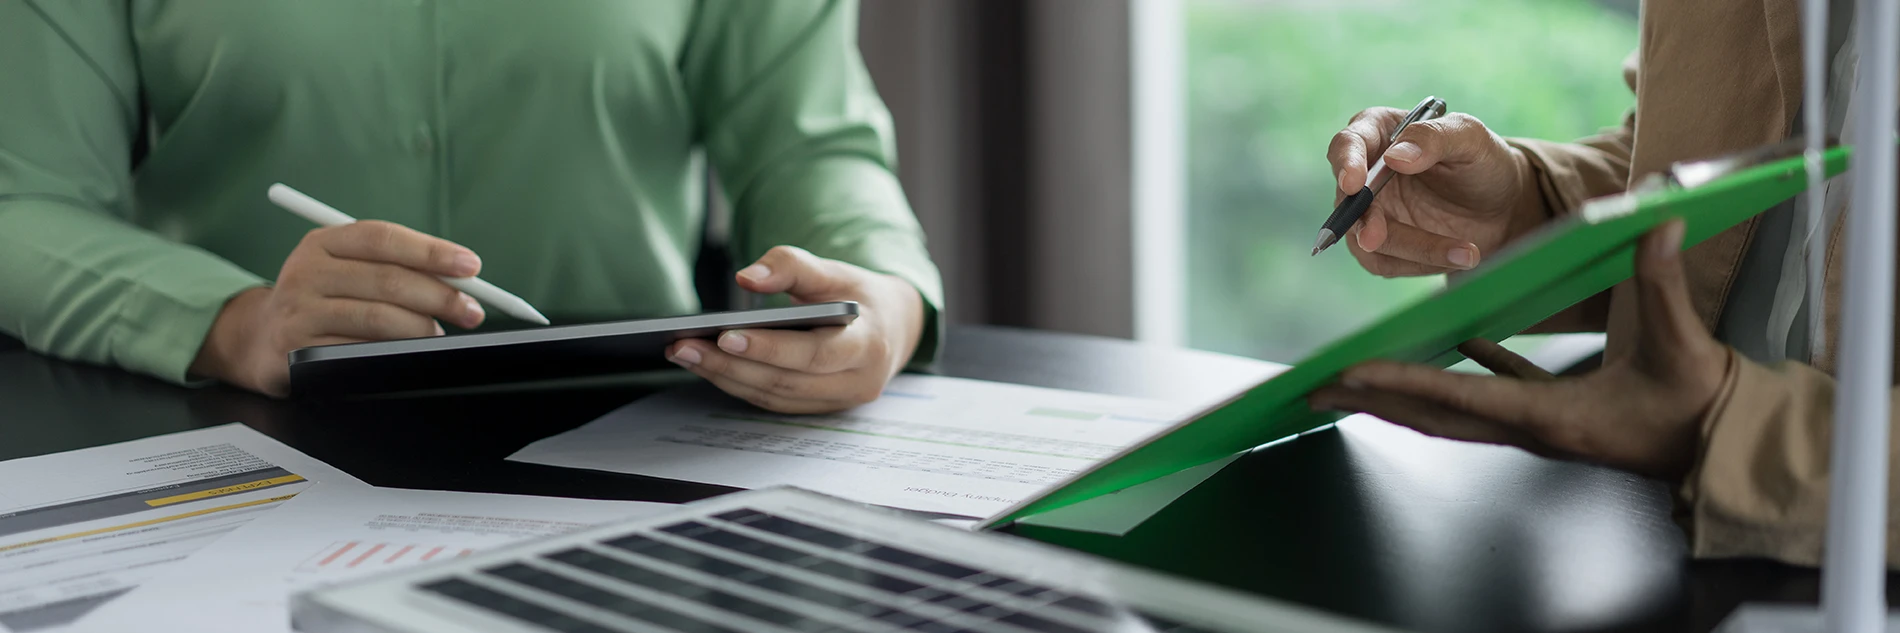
x,y
80,528
933,444
242,583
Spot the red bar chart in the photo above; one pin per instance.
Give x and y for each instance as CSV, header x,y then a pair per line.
x,y
347,555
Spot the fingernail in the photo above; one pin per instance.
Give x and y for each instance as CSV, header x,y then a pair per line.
x,y
686,357
756,272
472,313
1460,257
467,264
438,330
733,342
1351,382
1405,151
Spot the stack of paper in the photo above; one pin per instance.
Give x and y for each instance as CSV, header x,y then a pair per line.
x,y
79,529
211,530
336,533
199,531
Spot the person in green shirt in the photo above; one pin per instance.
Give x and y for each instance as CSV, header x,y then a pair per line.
x,y
557,148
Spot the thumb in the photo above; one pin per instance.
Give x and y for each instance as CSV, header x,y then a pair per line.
x,y
1669,321
795,271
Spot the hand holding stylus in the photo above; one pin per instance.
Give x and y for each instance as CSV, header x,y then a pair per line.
x,y
325,215
359,281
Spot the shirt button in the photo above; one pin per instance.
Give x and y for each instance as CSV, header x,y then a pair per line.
x,y
425,139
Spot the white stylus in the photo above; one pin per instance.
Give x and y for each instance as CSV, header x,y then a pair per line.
x,y
310,209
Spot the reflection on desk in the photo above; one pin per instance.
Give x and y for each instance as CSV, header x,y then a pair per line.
x,y
1365,519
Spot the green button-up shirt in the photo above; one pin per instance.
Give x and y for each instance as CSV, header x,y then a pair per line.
x,y
565,142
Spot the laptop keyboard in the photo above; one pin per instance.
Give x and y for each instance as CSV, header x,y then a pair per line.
x,y
755,568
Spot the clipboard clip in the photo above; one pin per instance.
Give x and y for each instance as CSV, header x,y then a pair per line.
x,y
1692,174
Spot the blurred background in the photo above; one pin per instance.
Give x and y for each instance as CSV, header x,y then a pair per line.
x,y
1155,169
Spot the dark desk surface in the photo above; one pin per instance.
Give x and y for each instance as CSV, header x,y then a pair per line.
x,y
1367,519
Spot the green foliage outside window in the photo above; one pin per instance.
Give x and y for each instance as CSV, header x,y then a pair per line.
x,y
1271,81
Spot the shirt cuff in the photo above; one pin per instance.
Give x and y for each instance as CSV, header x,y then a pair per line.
x,y
929,342
902,255
1759,484
80,284
849,209
164,321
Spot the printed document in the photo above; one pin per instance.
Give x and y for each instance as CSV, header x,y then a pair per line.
x,y
80,528
242,583
951,446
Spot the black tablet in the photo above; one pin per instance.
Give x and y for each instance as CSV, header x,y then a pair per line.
x,y
532,354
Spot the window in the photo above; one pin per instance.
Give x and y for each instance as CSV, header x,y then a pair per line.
x,y
1268,82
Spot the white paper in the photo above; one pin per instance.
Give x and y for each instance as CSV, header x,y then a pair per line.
x,y
79,528
932,444
242,583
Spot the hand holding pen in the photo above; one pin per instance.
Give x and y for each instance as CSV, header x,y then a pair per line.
x,y
1452,190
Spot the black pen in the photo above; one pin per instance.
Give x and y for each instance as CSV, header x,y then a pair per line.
x,y
1355,205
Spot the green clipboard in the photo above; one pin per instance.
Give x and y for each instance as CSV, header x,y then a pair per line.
x,y
1540,275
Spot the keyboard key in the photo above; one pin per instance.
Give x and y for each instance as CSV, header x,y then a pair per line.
x,y
895,617
861,576
742,543
927,564
684,558
747,545
808,533
742,515
1013,586
1037,623
921,562
604,598
1082,604
940,627
757,578
796,589
814,594
632,542
687,528
1165,625
689,590
960,602
506,605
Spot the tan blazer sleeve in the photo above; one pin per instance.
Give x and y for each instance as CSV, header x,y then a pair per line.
x,y
1570,173
1760,484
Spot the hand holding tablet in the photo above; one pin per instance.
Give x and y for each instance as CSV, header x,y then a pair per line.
x,y
827,370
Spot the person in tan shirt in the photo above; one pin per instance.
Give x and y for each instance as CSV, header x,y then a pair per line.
x,y
1744,440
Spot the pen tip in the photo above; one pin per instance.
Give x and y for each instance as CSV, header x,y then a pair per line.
x,y
521,310
1326,238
